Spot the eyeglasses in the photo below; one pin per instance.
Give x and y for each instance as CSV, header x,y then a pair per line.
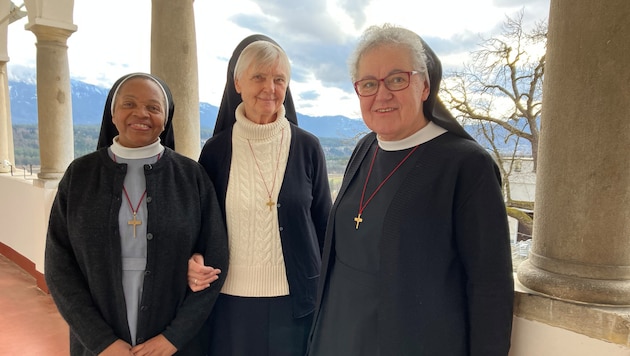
x,y
393,82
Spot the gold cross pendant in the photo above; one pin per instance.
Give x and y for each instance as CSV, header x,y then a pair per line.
x,y
135,223
359,220
270,203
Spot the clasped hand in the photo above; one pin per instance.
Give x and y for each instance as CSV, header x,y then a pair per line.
x,y
200,276
156,346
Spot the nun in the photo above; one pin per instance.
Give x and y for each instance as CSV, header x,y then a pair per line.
x,y
417,257
125,220
272,184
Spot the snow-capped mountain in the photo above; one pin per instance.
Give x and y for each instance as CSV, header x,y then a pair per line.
x,y
88,103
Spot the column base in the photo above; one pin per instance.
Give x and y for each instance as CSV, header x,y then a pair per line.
x,y
604,323
50,175
46,183
575,289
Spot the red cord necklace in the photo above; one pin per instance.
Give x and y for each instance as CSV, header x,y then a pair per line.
x,y
358,219
135,221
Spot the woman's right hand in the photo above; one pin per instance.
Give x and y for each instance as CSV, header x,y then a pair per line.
x,y
199,275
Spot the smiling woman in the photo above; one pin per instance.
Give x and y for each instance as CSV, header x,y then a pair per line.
x,y
157,101
261,77
410,255
139,111
272,183
120,290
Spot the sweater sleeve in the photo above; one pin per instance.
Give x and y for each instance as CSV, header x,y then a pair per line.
x,y
322,200
213,245
66,281
482,235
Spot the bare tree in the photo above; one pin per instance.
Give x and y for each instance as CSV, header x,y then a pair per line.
x,y
503,83
500,93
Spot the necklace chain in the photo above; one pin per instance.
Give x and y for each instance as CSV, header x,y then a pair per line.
x,y
358,219
270,203
134,221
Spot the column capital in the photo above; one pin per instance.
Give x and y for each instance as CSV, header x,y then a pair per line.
x,y
46,33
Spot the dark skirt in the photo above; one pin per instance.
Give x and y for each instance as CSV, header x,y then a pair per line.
x,y
243,326
347,322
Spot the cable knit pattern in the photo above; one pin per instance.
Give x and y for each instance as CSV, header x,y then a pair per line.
x,y
256,262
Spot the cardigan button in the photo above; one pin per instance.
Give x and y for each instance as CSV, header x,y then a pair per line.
x,y
149,199
281,228
149,236
278,205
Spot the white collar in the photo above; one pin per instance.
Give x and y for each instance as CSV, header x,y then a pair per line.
x,y
151,150
425,134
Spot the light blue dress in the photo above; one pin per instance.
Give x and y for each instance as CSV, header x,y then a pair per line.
x,y
134,249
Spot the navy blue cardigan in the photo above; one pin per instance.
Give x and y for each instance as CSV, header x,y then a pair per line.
x,y
303,205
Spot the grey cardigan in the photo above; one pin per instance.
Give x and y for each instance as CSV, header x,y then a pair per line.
x,y
83,252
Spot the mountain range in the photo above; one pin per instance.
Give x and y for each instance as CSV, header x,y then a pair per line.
x,y
88,101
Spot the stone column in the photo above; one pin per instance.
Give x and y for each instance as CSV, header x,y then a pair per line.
x,y
6,128
54,101
581,243
174,59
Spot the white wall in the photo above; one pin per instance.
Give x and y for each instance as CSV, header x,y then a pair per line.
x,y
531,338
24,210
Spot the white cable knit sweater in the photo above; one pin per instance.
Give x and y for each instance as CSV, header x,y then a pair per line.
x,y
256,261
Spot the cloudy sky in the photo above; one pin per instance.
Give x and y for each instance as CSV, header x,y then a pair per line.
x,y
113,38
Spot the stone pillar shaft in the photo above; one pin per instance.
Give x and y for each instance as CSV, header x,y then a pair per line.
x,y
6,128
581,244
54,101
174,59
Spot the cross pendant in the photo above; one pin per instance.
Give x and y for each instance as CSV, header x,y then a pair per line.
x,y
359,220
135,222
270,203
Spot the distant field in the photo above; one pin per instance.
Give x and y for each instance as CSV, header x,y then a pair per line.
x,y
334,181
26,146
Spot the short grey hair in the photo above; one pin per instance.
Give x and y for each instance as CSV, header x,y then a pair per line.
x,y
388,34
261,54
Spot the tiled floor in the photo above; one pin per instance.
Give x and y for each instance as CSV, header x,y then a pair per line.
x,y
29,321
